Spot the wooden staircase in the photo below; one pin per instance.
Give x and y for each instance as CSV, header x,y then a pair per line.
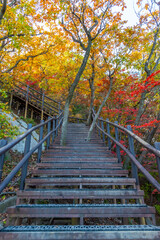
x,y
80,191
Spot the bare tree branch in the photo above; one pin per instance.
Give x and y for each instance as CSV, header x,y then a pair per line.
x,y
26,59
18,35
73,37
152,51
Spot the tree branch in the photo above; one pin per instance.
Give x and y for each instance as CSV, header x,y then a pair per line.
x,y
152,51
73,37
26,59
18,35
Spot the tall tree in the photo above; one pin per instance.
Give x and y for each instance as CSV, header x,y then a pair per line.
x,y
149,26
84,21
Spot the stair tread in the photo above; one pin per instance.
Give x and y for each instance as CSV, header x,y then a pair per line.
x,y
83,179
91,228
87,206
83,210
107,191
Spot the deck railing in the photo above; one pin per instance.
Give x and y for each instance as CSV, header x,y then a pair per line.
x,y
103,127
34,98
52,124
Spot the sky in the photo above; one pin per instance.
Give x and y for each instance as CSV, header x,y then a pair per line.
x,y
129,13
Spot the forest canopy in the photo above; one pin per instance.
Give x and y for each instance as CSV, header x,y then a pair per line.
x,y
83,53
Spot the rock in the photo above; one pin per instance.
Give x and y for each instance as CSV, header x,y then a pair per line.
x,y
22,126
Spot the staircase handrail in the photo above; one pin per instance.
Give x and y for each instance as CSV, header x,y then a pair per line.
x,y
130,153
56,121
39,96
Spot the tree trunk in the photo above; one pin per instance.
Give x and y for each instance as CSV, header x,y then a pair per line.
x,y
89,120
141,108
91,84
99,111
71,92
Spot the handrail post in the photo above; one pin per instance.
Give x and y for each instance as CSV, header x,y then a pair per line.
x,y
117,147
11,99
3,142
131,147
99,133
102,126
26,107
54,126
25,165
157,146
42,106
40,147
59,107
48,131
61,119
108,131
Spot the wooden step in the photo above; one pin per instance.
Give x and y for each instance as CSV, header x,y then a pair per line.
x,y
80,154
80,194
69,164
79,159
81,210
80,148
82,144
117,232
85,172
81,180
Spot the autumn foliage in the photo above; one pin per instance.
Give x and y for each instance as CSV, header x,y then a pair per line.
x,y
42,43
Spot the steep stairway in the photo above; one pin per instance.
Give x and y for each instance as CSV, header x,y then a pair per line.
x,y
80,191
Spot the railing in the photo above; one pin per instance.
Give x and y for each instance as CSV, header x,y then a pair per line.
x,y
77,120
35,98
52,124
103,127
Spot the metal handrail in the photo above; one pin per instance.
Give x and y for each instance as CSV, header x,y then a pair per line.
x,y
7,180
23,162
136,165
132,157
22,136
141,141
32,89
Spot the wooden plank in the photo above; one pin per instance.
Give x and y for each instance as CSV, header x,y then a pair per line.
x,y
87,172
82,180
79,165
88,210
80,193
79,159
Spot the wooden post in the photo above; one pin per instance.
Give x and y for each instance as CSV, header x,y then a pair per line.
x,y
25,165
32,113
99,132
102,126
11,100
48,131
3,142
108,131
59,107
157,146
42,107
17,106
40,147
131,147
54,126
26,107
117,147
